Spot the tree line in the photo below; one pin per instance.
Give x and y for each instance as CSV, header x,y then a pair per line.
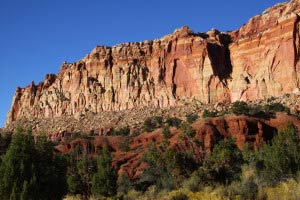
x,y
30,169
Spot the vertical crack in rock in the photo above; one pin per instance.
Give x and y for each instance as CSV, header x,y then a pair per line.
x,y
174,86
296,43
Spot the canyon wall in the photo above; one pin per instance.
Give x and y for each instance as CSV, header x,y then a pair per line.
x,y
259,60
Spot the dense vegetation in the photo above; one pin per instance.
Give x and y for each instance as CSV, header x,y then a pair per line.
x,y
242,108
227,173
30,170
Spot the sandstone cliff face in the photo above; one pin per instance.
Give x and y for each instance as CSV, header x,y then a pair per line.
x,y
132,75
265,54
258,60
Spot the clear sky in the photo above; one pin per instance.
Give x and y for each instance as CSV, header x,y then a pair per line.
x,y
36,36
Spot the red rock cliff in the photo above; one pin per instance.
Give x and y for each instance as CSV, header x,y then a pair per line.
x,y
265,54
261,59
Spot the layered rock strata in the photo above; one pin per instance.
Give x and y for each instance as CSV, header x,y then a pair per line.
x,y
259,60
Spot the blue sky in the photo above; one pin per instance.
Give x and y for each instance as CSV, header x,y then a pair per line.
x,y
36,36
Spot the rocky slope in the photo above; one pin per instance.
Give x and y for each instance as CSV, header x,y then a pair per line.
x,y
253,62
254,131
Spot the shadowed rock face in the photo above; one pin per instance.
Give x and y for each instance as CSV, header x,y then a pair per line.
x,y
259,60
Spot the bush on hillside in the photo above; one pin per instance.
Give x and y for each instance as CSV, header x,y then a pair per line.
x,y
190,118
174,121
124,184
124,131
166,168
166,132
207,113
104,181
223,165
152,123
276,107
188,130
240,108
280,159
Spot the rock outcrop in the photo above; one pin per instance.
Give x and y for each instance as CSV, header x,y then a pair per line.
x,y
261,59
265,54
251,130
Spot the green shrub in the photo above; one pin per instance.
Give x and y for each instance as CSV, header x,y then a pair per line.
x,y
158,120
207,113
135,133
124,131
240,108
223,112
180,196
152,123
256,110
276,107
104,181
79,174
166,132
223,165
193,183
174,121
190,118
247,190
124,184
280,159
188,130
248,153
166,168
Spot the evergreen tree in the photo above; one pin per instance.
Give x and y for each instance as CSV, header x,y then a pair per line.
x,y
80,172
223,165
124,184
31,171
50,170
16,166
165,168
280,159
104,181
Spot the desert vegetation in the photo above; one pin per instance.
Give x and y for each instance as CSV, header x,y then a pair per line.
x,y
30,168
227,173
244,108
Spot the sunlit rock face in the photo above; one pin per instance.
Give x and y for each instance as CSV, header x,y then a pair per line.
x,y
265,54
157,73
259,60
